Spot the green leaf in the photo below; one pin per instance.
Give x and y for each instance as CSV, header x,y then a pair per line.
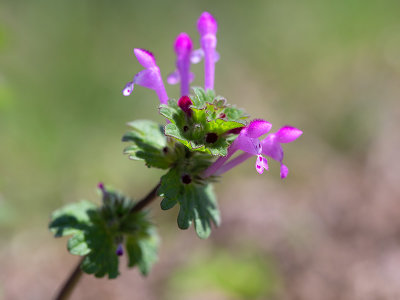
x,y
97,232
91,237
149,144
102,259
200,97
197,202
168,203
71,218
142,251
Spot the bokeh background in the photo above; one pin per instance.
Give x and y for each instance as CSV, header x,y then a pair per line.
x,y
331,230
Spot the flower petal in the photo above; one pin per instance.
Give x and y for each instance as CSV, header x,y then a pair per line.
x,y
128,89
173,78
272,148
284,171
148,78
246,144
257,128
145,58
288,134
196,56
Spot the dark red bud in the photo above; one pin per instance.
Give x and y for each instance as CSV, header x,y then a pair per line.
x,y
186,179
184,103
211,137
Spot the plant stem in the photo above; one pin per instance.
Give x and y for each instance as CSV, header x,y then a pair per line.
x,y
76,274
146,200
72,280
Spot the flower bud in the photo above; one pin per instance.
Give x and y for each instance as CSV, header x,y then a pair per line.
x,y
207,24
184,103
183,44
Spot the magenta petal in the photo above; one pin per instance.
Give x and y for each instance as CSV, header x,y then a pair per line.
x,y
145,58
272,148
284,171
257,128
183,44
196,56
206,24
173,78
147,78
288,134
246,144
128,89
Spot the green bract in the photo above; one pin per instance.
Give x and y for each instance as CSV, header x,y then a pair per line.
x,y
97,231
207,128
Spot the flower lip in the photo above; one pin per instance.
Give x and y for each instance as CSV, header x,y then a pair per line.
x,y
183,44
207,24
145,58
128,88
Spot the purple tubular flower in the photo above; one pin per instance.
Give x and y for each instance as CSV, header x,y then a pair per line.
x,y
271,145
207,27
248,142
183,47
150,77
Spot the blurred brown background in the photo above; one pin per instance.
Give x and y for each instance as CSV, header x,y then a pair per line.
x,y
331,230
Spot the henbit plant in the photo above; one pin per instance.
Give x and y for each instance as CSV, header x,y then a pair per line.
x,y
195,146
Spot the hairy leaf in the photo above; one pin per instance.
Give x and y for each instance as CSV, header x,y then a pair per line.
x,y
197,202
149,144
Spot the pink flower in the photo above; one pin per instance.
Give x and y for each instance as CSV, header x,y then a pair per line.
x,y
248,142
183,48
207,27
150,77
271,145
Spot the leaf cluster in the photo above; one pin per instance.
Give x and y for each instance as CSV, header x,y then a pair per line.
x,y
197,202
96,233
209,125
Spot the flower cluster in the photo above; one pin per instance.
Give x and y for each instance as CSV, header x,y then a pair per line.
x,y
202,134
207,123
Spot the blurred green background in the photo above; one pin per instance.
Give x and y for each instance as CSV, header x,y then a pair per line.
x,y
331,68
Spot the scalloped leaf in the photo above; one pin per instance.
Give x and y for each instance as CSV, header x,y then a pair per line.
x,y
149,144
142,251
97,231
198,203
